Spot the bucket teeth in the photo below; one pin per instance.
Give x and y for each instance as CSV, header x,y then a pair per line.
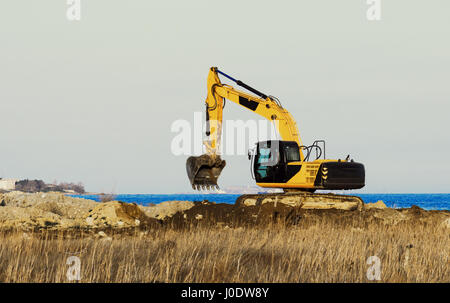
x,y
203,171
210,187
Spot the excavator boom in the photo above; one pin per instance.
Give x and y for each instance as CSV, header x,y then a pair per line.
x,y
203,171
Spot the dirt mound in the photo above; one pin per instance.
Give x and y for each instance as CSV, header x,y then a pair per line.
x,y
17,217
53,202
117,214
41,210
225,215
379,204
56,211
166,209
208,213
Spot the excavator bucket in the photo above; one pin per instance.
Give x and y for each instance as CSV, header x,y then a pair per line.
x,y
203,171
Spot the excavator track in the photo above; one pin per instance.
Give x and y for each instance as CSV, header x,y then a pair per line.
x,y
304,200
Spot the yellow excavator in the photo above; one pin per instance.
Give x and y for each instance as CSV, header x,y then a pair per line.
x,y
286,164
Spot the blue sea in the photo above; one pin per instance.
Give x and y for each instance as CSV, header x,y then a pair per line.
x,y
425,201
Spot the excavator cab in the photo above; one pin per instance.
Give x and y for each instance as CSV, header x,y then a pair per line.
x,y
278,161
271,161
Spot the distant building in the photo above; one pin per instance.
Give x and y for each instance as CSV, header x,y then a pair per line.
x,y
8,184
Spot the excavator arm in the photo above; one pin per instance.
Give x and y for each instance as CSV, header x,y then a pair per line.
x,y
204,170
263,105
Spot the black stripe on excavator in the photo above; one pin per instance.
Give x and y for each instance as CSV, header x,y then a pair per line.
x,y
318,180
208,128
256,92
240,83
248,103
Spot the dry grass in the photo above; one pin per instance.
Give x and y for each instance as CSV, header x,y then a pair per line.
x,y
322,252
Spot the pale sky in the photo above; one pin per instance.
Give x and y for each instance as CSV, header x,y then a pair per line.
x,y
93,100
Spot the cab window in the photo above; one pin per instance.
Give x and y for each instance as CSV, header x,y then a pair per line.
x,y
292,154
268,156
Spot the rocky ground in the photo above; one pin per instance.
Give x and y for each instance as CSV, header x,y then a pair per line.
x,y
55,211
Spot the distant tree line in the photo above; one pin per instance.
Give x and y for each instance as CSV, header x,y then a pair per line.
x,y
32,186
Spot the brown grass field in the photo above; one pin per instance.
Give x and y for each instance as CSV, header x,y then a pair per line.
x,y
319,250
